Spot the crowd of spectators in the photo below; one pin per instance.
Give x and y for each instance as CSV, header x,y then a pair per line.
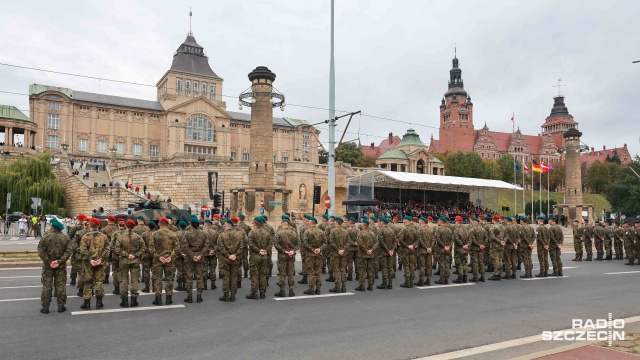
x,y
418,208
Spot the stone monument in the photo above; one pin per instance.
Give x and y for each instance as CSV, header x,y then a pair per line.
x,y
573,207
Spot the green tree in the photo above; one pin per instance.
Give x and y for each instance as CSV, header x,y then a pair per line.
x,y
491,170
505,163
464,165
348,152
365,161
623,192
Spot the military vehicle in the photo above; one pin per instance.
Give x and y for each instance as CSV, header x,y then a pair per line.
x,y
150,210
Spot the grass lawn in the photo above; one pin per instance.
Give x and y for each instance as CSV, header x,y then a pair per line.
x,y
505,198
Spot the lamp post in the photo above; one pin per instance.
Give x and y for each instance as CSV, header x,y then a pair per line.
x,y
113,152
65,148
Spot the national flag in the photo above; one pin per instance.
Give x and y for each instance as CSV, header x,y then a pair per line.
x,y
544,167
551,169
515,166
526,168
512,117
535,166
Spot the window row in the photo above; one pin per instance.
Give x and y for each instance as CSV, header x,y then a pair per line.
x,y
193,149
102,146
199,128
184,87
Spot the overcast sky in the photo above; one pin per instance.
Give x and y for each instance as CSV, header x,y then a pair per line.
x,y
392,57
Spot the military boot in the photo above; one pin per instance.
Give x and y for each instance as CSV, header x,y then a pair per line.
x,y
158,300
459,280
560,273
361,287
232,297
519,267
262,295
553,274
427,283
99,303
464,279
335,290
189,299
134,301
168,300
437,272
630,262
317,292
224,297
179,287
383,285
146,289
124,302
205,285
116,290
406,285
86,305
213,285
400,266
482,278
61,308
291,293
246,273
280,293
304,280
546,274
80,291
331,279
73,281
309,291
252,296
390,286
474,279
579,258
495,278
439,281
608,257
343,288
44,310
370,287
350,277
199,298
418,283
239,284
575,258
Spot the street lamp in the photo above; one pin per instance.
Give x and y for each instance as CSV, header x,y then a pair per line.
x,y
64,147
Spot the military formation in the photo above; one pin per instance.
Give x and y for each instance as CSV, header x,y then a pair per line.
x,y
161,254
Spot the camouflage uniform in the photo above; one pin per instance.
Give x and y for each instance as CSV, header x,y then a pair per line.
x,y
303,252
542,238
110,230
479,237
164,243
618,236
286,240
146,259
578,241
608,242
589,234
443,239
461,239
325,261
329,254
230,242
259,239
527,237
129,243
210,262
245,251
54,245
352,253
179,262
496,236
140,229
75,241
556,237
367,241
599,234
629,243
402,251
312,239
339,239
409,237
511,250
93,246
194,244
426,241
74,251
388,242
272,234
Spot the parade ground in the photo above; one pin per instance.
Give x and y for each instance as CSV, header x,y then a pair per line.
x,y
492,320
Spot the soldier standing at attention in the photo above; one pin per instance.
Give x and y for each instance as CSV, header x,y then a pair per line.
x,y
146,259
260,245
164,248
497,244
76,243
323,226
444,241
512,238
230,244
388,245
578,239
128,248
115,260
408,240
286,243
630,241
556,238
352,251
245,252
608,241
426,244
94,249
479,241
339,242
210,260
618,236
599,235
303,252
108,230
74,248
54,249
315,244
140,228
487,224
171,226
589,234
193,247
272,234
542,237
528,236
367,244
462,242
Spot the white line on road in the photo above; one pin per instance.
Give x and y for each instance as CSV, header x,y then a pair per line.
x,y
622,272
20,277
546,278
144,308
502,345
442,286
313,296
73,296
20,287
12,300
563,268
25,268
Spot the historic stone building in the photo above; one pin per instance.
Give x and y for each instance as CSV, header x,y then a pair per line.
x,y
408,154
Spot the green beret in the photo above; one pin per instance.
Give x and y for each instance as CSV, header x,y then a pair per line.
x,y
407,218
447,217
241,216
228,221
385,220
365,221
487,218
140,217
474,219
311,218
287,213
285,219
325,216
444,218
56,224
208,221
182,223
258,219
509,218
195,221
524,218
265,217
540,217
169,217
372,218
151,224
338,218
422,219
352,219
332,217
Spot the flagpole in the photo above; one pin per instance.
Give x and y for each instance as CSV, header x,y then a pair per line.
x,y
524,204
548,172
515,162
540,197
533,180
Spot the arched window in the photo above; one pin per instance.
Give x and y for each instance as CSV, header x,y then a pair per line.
x,y
420,167
199,128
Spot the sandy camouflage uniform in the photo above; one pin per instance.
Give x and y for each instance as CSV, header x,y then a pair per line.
x,y
57,246
479,237
542,240
286,240
129,243
164,243
527,237
93,246
556,237
339,239
367,241
312,239
426,241
443,238
259,239
194,244
230,242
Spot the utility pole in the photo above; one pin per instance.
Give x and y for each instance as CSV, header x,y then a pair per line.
x,y
332,124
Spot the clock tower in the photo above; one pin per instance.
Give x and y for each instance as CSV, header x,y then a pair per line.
x,y
456,114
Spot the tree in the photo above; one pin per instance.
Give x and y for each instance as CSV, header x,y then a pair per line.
x,y
491,170
623,192
505,163
464,165
366,161
348,152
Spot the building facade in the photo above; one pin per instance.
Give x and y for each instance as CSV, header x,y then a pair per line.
x,y
408,154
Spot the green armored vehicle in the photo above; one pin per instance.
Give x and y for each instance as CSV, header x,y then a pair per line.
x,y
149,210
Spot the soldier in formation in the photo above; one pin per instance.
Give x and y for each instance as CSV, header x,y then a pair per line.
x,y
54,248
367,245
164,248
95,250
339,242
314,243
193,247
129,247
286,243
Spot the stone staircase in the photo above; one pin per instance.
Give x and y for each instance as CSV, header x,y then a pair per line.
x,y
100,177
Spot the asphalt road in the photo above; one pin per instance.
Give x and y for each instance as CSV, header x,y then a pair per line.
x,y
383,324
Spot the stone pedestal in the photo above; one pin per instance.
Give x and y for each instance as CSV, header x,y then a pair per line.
x,y
247,201
573,212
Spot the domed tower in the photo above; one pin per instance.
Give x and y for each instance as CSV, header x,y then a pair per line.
x,y
456,114
558,122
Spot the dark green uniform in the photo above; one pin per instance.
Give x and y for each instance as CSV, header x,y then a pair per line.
x,y
194,245
313,239
54,246
164,243
556,238
286,240
367,242
129,243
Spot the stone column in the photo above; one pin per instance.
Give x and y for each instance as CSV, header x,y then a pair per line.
x,y
261,138
573,176
8,141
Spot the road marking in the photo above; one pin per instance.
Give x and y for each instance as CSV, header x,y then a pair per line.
x,y
563,268
20,277
25,268
20,287
546,278
502,345
436,286
313,296
622,272
73,296
144,308
25,299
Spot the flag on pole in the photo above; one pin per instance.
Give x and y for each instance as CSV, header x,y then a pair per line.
x,y
515,166
551,169
544,167
526,168
512,117
535,166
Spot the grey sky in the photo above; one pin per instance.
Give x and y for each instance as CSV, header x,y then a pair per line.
x,y
392,57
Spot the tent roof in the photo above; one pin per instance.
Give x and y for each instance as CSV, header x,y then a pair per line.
x,y
361,200
405,180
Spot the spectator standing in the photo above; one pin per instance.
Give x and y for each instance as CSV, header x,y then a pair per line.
x,y
126,185
148,196
137,190
22,225
144,189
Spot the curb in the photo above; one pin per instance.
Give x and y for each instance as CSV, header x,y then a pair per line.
x,y
22,264
557,350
